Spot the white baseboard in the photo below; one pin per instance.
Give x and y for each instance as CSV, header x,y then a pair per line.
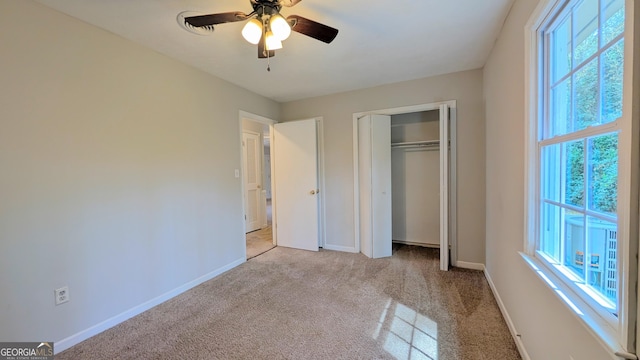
x,y
507,318
340,248
111,322
469,265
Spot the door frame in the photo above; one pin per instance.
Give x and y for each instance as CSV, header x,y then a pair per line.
x,y
269,122
452,105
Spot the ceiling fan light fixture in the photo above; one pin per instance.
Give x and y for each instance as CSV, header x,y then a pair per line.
x,y
272,42
280,27
252,31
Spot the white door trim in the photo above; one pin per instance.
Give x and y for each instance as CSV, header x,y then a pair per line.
x,y
444,187
321,183
452,104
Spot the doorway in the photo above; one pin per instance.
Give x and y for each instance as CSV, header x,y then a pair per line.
x,y
428,186
256,181
292,182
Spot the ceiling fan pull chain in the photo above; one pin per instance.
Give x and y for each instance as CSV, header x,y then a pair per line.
x,y
268,61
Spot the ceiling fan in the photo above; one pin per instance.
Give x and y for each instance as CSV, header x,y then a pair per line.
x,y
266,27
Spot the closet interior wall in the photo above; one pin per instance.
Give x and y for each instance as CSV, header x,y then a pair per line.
x,y
415,179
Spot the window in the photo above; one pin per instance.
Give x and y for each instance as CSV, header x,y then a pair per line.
x,y
578,146
576,109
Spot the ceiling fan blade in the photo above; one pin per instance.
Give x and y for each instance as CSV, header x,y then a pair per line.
x,y
262,53
289,3
213,19
312,29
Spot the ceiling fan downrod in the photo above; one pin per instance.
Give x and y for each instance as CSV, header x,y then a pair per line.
x,y
265,52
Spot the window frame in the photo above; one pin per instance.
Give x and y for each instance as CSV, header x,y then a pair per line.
x,y
618,334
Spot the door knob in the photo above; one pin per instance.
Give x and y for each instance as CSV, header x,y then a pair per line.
x,y
312,192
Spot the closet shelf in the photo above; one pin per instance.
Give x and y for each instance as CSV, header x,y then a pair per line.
x,y
416,144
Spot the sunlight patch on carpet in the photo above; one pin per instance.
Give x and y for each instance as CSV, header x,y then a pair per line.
x,y
408,335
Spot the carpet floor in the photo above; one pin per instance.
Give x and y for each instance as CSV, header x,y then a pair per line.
x,y
294,304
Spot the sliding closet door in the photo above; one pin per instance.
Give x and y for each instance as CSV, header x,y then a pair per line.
x,y
374,161
444,187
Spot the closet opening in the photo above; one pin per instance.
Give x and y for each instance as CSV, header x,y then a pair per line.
x,y
405,187
415,178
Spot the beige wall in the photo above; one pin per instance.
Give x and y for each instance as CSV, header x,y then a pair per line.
x,y
548,328
337,111
117,173
253,126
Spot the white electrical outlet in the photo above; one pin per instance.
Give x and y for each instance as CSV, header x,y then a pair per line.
x,y
62,295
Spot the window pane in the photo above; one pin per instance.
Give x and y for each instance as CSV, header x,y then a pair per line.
x,y
582,60
586,96
574,173
613,19
602,245
551,172
585,30
561,50
550,231
574,242
612,70
603,173
561,109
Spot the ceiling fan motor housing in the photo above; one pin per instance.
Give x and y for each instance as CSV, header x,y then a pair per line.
x,y
266,9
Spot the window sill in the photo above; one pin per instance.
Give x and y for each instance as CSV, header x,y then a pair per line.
x,y
598,327
600,301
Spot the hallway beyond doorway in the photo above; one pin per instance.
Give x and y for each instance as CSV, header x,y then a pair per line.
x,y
259,242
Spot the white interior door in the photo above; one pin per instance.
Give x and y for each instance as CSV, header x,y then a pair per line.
x,y
251,151
295,173
444,187
374,143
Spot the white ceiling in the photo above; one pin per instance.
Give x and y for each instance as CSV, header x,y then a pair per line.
x,y
379,42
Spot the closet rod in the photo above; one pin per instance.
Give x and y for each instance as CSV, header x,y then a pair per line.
x,y
426,143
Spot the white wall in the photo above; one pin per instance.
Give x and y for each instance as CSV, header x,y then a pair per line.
x,y
117,173
548,328
337,111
